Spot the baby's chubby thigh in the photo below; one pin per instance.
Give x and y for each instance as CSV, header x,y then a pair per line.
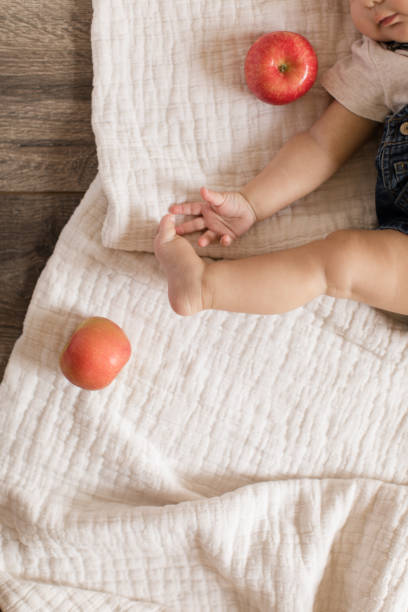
x,y
369,266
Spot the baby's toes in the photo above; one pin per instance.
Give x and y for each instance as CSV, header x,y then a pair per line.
x,y
167,229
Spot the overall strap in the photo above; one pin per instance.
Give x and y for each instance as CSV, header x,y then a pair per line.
x,y
392,45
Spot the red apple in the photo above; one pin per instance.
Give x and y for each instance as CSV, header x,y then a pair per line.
x,y
280,67
96,352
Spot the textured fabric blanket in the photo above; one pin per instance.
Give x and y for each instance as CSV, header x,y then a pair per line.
x,y
248,463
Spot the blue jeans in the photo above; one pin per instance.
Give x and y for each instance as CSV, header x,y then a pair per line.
x,y
391,194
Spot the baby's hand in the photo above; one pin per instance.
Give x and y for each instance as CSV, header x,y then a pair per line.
x,y
223,215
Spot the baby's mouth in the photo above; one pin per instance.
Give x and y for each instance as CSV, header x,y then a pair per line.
x,y
388,20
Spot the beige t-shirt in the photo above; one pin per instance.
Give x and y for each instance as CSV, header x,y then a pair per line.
x,y
371,82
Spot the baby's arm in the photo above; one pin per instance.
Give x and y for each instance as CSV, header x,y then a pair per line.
x,y
307,160
302,164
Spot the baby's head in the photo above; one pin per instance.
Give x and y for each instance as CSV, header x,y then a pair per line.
x,y
381,20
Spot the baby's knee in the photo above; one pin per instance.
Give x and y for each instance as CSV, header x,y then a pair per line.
x,y
341,252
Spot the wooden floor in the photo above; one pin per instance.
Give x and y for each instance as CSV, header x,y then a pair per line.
x,y
47,148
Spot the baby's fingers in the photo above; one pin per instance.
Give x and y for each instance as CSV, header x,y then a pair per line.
x,y
207,238
188,227
225,240
187,208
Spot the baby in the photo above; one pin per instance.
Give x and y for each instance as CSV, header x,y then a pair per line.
x,y
369,266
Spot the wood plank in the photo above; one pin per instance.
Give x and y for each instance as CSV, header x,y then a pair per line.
x,y
29,228
47,168
39,37
74,59
56,19
34,88
46,138
46,121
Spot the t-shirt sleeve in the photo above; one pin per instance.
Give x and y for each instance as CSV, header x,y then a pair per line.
x,y
355,83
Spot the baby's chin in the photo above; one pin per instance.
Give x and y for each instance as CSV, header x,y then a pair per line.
x,y
398,32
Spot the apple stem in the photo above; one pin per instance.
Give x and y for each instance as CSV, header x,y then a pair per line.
x,y
283,67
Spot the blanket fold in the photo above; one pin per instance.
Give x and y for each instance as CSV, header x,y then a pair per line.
x,y
98,501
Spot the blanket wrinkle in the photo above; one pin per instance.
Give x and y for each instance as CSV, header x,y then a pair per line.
x,y
38,595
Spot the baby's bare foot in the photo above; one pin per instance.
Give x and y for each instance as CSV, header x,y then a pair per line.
x,y
183,267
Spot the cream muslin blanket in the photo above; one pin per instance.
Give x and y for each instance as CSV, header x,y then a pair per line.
x,y
248,463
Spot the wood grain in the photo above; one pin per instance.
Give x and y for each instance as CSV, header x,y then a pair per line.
x,y
34,222
47,148
68,168
47,143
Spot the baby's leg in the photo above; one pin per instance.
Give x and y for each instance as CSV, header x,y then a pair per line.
x,y
369,266
364,265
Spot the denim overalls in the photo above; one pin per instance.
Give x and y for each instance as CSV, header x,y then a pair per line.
x,y
391,194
